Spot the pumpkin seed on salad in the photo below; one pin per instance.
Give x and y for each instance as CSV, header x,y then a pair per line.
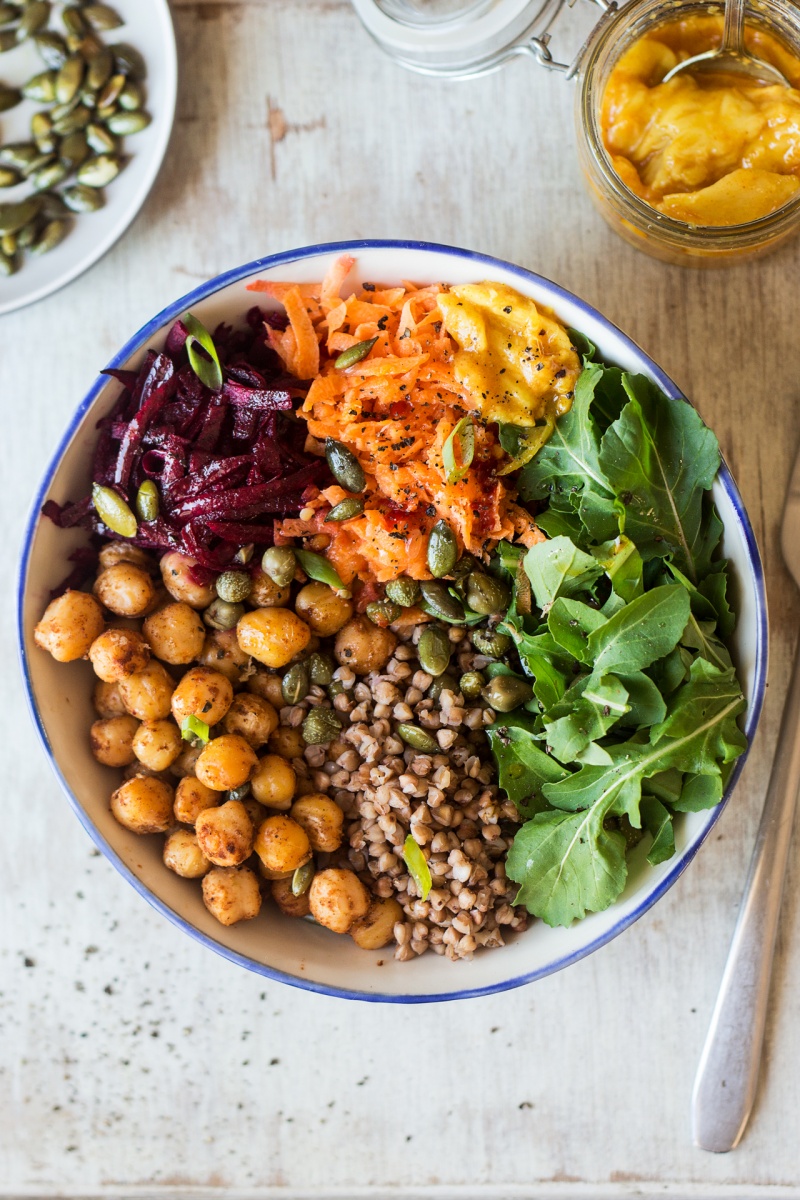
x,y
407,613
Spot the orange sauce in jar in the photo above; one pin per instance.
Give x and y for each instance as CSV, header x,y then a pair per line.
x,y
705,150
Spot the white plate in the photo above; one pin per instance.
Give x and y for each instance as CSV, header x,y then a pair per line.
x,y
148,27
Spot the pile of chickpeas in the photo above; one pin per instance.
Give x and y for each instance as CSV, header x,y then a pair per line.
x,y
166,650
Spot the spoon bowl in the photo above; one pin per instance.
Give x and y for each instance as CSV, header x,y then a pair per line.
x,y
731,58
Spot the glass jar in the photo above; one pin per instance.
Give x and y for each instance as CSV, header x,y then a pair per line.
x,y
462,39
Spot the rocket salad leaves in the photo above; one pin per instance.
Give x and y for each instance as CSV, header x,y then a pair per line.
x,y
619,620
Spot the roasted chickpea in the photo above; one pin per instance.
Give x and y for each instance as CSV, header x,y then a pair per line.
x,y
135,769
266,685
225,834
287,742
221,652
117,653
112,741
183,855
272,635
364,647
225,763
143,805
69,626
157,744
273,782
107,700
125,589
147,694
265,592
282,844
376,929
323,608
322,820
251,717
202,693
176,633
231,894
176,572
117,552
337,898
287,902
191,798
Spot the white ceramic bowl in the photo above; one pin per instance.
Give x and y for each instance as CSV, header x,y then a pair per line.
x,y
300,952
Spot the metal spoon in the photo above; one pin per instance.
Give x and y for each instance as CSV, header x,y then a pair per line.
x,y
731,58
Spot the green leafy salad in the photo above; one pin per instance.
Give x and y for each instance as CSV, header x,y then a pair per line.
x,y
619,620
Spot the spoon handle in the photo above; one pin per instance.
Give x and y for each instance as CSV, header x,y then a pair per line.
x,y
726,1081
733,31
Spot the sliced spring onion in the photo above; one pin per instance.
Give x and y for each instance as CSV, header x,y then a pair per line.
x,y
463,436
349,357
417,867
113,511
194,730
523,444
316,566
147,501
209,373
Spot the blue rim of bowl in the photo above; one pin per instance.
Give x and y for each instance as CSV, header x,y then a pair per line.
x,y
557,293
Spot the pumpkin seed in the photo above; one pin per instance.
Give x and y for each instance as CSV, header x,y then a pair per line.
x,y
280,564
434,650
417,738
35,16
53,233
131,97
346,509
63,110
109,93
105,112
439,602
98,171
41,88
88,97
38,164
234,586
320,669
490,643
18,154
320,727
240,793
101,17
295,684
52,49
9,244
129,61
100,140
353,355
8,14
470,684
383,612
8,40
53,207
73,21
87,46
506,692
221,615
403,591
8,177
81,199
486,595
74,149
8,264
301,880
442,550
77,119
69,79
124,123
14,216
46,145
113,511
10,97
147,501
27,235
99,70
344,466
51,176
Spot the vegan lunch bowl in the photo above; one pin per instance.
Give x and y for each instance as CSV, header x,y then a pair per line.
x,y
392,622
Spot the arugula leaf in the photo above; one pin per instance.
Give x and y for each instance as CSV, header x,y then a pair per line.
x,y
558,568
570,622
667,786
623,565
610,397
547,666
585,713
602,516
657,820
661,458
715,589
567,864
556,523
699,635
646,705
699,792
643,631
522,443
522,767
669,673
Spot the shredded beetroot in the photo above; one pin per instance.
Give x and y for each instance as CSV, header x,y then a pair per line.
x,y
225,464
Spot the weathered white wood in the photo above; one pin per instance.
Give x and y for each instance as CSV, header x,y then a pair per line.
x,y
131,1059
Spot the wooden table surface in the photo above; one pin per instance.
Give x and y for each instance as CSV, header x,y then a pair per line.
x,y
135,1063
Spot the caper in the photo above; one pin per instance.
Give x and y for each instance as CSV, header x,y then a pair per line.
x,y
234,586
131,97
295,684
72,121
336,688
8,264
239,793
99,69
8,40
101,17
98,171
442,550
470,684
383,612
74,149
113,511
108,94
9,98
129,61
52,49
14,216
147,500
506,692
417,738
467,563
35,16
221,615
18,154
320,669
50,176
320,727
490,643
443,683
8,177
73,21
301,880
41,88
123,123
280,564
82,199
440,602
346,509
433,650
486,595
403,591
344,466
